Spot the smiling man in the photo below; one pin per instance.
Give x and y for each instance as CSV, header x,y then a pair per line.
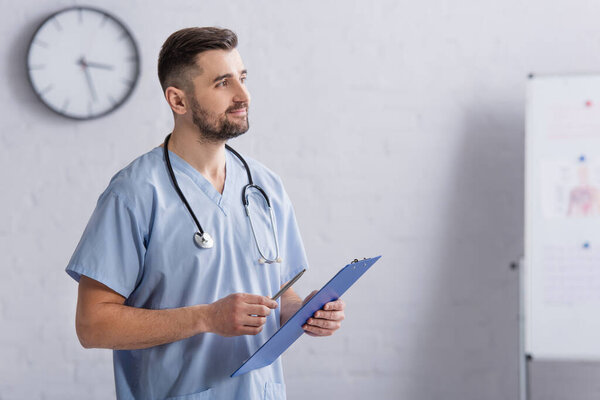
x,y
173,274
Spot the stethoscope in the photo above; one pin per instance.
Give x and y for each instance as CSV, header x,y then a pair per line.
x,y
203,239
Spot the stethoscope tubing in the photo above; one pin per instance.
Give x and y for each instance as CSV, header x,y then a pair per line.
x,y
202,238
176,185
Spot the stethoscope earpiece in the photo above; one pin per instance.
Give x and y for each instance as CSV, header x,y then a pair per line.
x,y
262,260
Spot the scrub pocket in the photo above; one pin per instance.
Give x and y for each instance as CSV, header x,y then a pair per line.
x,y
204,395
274,391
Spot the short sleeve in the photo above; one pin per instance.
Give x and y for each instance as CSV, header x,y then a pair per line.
x,y
292,247
111,250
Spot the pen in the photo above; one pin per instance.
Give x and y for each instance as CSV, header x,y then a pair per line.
x,y
287,285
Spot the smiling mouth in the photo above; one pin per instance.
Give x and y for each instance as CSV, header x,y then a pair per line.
x,y
239,111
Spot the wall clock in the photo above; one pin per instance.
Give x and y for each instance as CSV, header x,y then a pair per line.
x,y
83,63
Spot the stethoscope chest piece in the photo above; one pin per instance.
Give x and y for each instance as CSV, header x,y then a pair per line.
x,y
204,240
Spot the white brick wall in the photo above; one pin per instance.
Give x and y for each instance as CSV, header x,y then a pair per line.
x,y
398,129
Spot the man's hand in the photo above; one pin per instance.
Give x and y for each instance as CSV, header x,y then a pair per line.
x,y
239,314
327,320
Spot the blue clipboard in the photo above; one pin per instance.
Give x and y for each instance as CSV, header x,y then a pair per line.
x,y
292,329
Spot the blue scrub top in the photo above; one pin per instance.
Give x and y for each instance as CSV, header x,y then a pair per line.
x,y
139,242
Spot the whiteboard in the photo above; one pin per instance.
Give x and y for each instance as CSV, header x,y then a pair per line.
x,y
562,217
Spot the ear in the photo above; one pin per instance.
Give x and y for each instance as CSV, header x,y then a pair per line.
x,y
177,100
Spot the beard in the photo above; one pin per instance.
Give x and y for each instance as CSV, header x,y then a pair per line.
x,y
217,128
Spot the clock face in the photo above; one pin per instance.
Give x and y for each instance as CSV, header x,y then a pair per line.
x,y
83,63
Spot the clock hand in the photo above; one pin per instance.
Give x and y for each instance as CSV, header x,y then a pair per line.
x,y
91,64
88,77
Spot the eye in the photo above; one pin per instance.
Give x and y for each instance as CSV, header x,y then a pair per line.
x,y
223,83
243,79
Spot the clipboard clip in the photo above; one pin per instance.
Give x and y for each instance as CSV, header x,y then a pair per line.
x,y
357,260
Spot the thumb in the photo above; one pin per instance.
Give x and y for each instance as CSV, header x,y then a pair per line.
x,y
310,296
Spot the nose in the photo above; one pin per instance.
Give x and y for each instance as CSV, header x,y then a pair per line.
x,y
242,95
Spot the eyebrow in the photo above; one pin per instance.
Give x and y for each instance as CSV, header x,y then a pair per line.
x,y
221,77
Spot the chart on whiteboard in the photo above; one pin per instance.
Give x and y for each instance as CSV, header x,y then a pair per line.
x,y
571,189
571,274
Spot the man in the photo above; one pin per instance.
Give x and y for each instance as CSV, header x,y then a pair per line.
x,y
179,317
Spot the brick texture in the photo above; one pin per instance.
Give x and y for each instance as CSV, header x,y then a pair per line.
x,y
397,127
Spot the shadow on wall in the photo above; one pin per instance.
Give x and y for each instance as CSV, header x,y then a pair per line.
x,y
468,344
17,80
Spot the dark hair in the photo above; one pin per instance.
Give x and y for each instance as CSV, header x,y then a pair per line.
x,y
177,59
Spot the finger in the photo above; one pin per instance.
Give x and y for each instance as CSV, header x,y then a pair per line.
x,y
257,309
317,331
254,321
250,330
263,300
324,323
331,315
338,305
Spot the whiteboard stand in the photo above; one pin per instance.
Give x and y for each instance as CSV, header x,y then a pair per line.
x,y
524,359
